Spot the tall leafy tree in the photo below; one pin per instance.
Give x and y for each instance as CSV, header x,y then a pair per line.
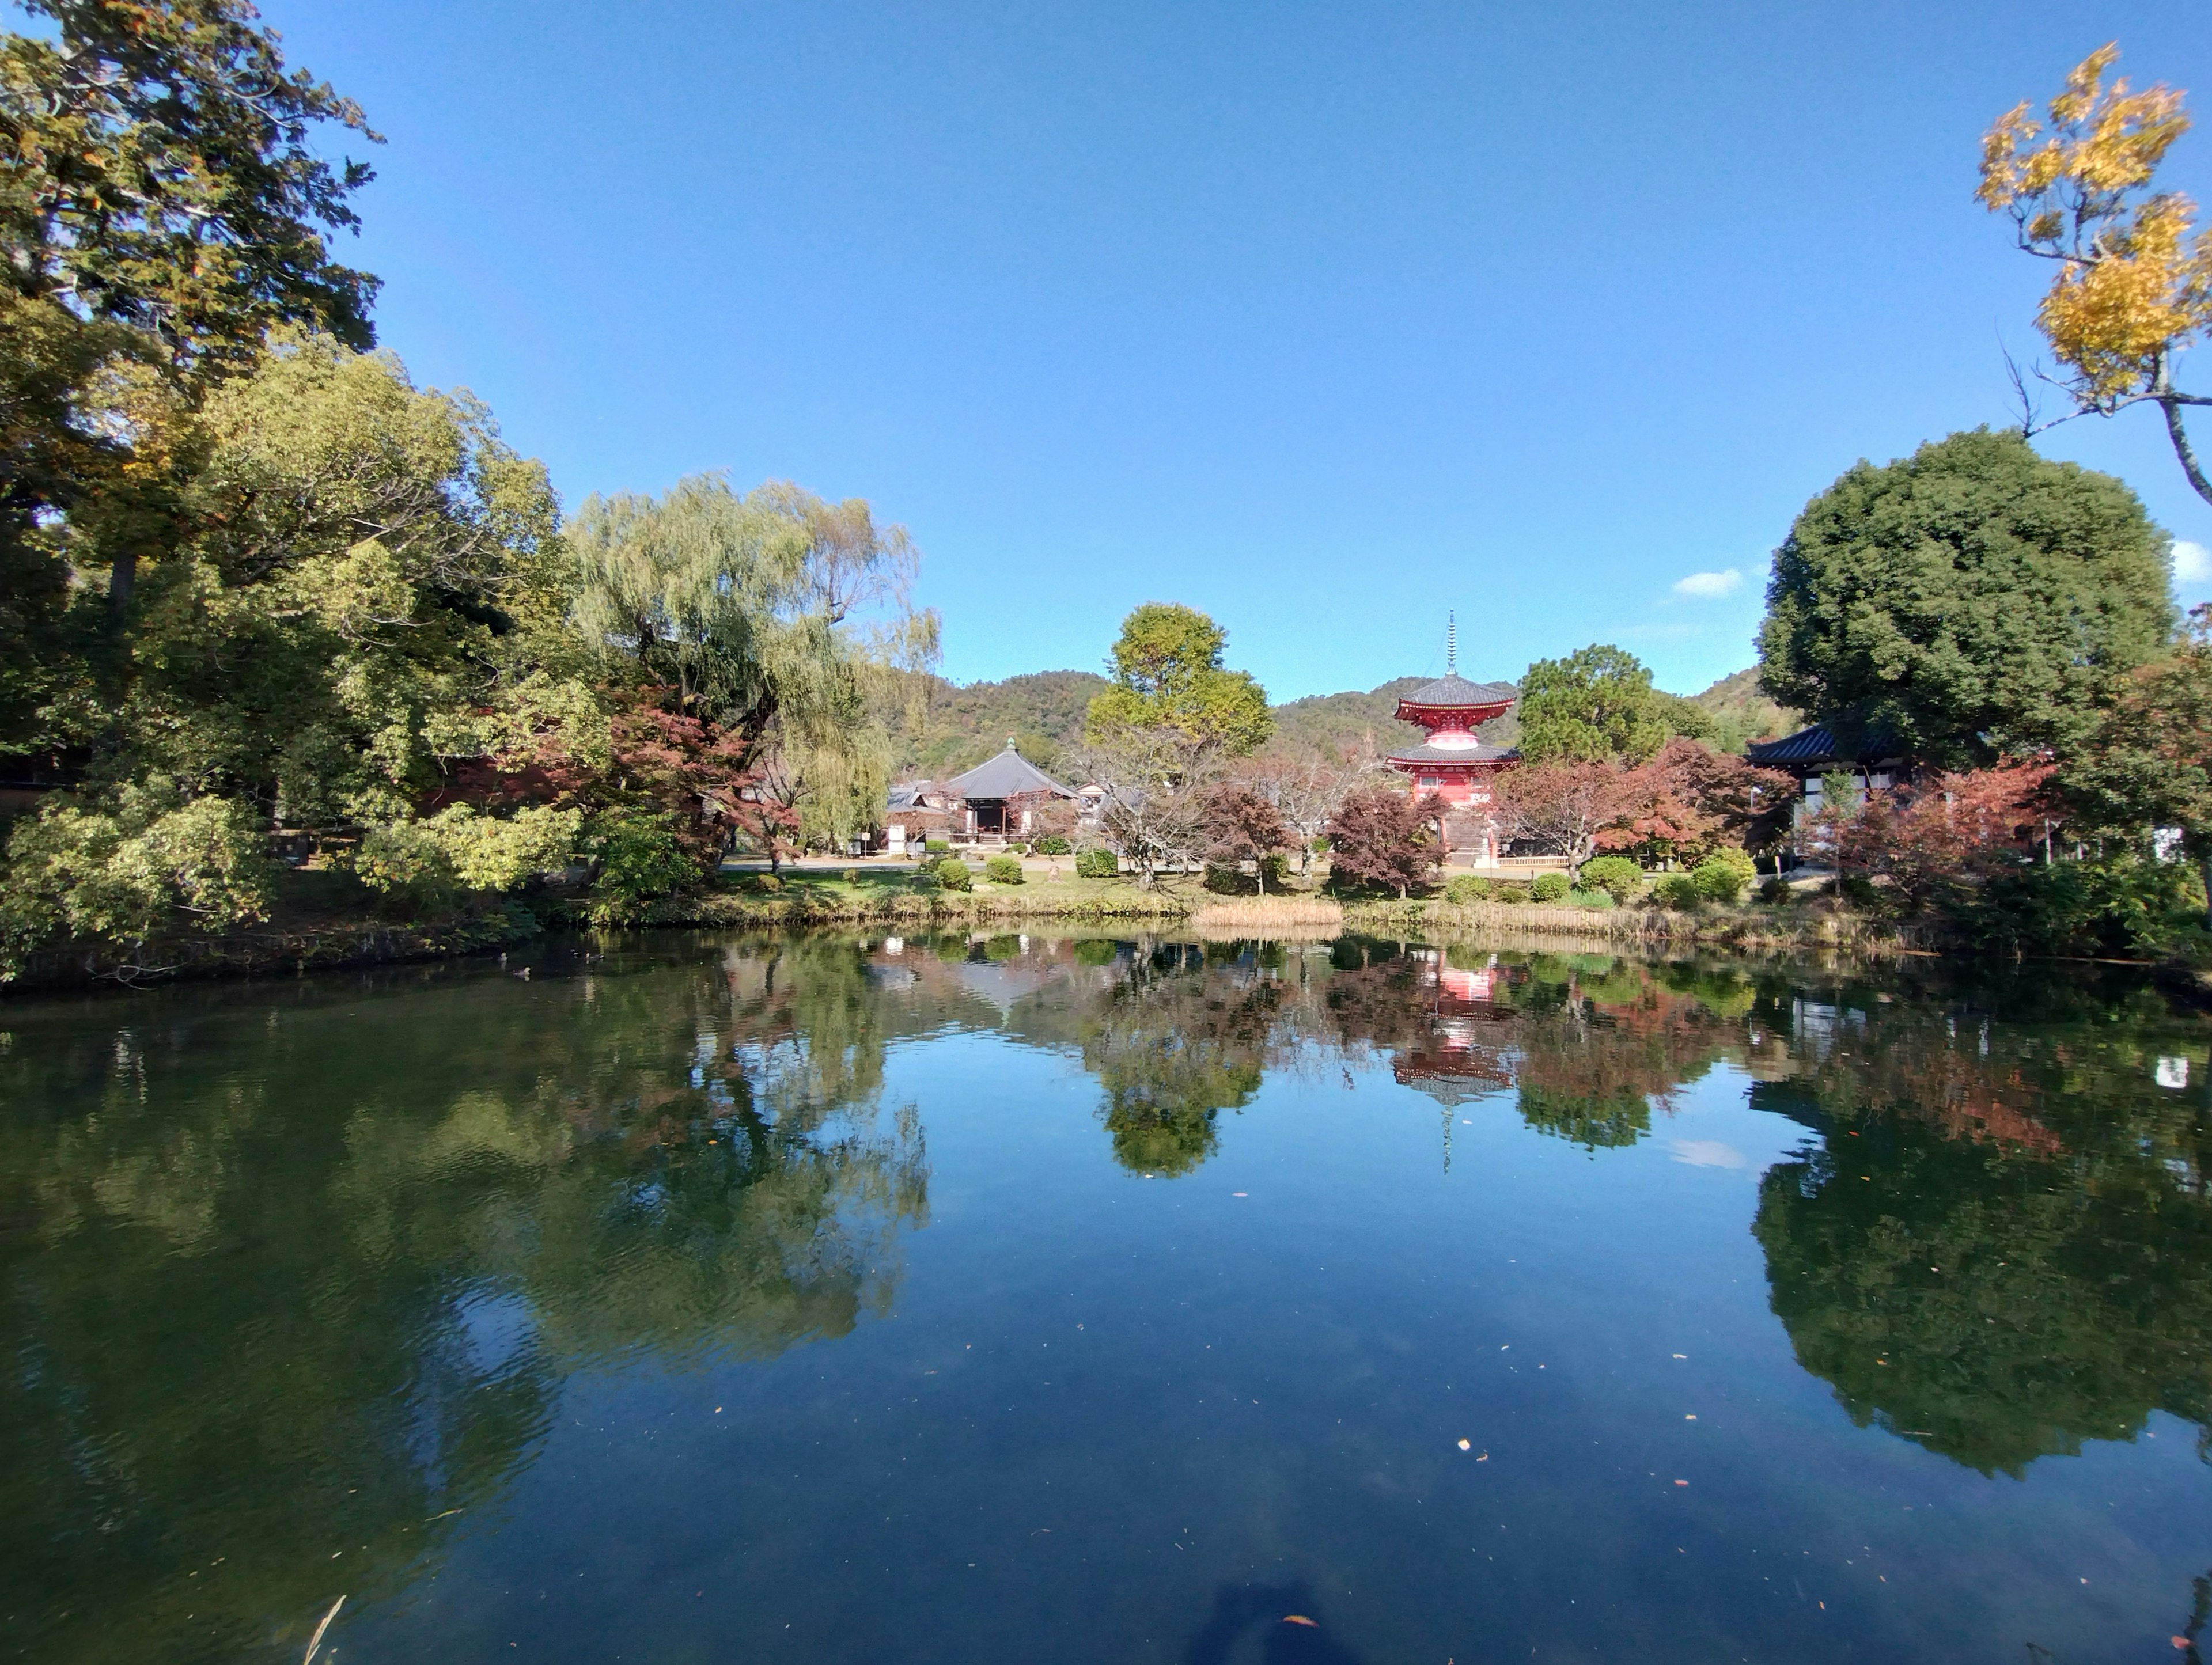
x,y
2152,763
162,208
1168,674
1971,600
1595,706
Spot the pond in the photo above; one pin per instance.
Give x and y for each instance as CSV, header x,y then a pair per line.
x,y
710,1298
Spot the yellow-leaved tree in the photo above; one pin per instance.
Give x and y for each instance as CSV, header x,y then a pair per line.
x,y
2134,286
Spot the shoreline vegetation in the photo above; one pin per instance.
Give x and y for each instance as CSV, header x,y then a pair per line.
x,y
1178,905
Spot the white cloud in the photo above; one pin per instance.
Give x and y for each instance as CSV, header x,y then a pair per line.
x,y
2192,563
1710,585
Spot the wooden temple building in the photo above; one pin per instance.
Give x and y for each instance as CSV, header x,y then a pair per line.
x,y
1453,764
997,799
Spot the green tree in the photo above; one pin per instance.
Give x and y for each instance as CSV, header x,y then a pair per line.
x,y
1168,674
2152,763
1595,706
162,208
1972,600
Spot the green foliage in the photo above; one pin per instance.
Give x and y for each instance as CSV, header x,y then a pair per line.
x,y
1051,846
1168,674
1619,876
124,871
1972,600
953,875
1513,896
1775,890
925,880
1548,887
768,884
1223,879
1003,870
640,857
1095,951
461,848
1724,875
1097,864
1677,890
1461,889
936,846
1596,705
2118,906
1596,900
1740,712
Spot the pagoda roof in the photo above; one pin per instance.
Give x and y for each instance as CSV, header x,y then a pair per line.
x,y
1009,775
1452,691
1473,754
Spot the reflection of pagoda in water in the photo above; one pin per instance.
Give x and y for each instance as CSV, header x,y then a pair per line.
x,y
1452,764
1454,1063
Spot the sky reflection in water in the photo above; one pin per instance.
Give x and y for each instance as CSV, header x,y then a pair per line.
x,y
831,1298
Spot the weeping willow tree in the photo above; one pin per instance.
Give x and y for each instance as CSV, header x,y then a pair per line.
x,y
773,618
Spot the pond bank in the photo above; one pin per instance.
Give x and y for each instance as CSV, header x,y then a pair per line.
x,y
297,946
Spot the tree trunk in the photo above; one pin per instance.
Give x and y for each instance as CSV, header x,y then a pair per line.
x,y
1260,872
2206,863
121,580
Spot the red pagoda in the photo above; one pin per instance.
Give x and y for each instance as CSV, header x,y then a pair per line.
x,y
1452,764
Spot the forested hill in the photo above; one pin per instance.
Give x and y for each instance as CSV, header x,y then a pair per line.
x,y
1043,711
1741,713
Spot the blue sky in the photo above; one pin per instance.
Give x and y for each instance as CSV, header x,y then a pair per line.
x,y
1321,318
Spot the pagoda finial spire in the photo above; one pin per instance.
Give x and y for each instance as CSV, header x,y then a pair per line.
x,y
1451,644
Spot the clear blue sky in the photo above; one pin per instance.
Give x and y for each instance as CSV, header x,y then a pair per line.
x,y
1323,318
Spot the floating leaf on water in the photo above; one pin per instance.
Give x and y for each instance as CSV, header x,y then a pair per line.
x,y
1466,1445
1300,1619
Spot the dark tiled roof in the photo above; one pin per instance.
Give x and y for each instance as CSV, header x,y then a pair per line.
x,y
1473,754
1454,690
1009,775
1817,745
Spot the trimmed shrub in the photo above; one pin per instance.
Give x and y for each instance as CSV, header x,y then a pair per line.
x,y
1275,868
1003,870
1677,890
1618,875
1465,888
1724,875
853,875
1097,864
767,883
1548,887
1513,896
936,846
953,874
1052,846
1222,879
1776,889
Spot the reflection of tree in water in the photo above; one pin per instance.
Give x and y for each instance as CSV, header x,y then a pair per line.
x,y
2005,1246
284,1280
1174,1045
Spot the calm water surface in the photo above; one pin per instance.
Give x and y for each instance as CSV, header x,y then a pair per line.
x,y
832,1299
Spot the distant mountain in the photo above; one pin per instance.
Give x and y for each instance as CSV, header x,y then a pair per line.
x,y
1043,711
1741,713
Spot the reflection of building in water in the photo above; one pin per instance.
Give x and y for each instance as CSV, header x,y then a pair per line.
x,y
1453,1064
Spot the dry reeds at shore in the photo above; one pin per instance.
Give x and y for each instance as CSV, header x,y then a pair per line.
x,y
1270,914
